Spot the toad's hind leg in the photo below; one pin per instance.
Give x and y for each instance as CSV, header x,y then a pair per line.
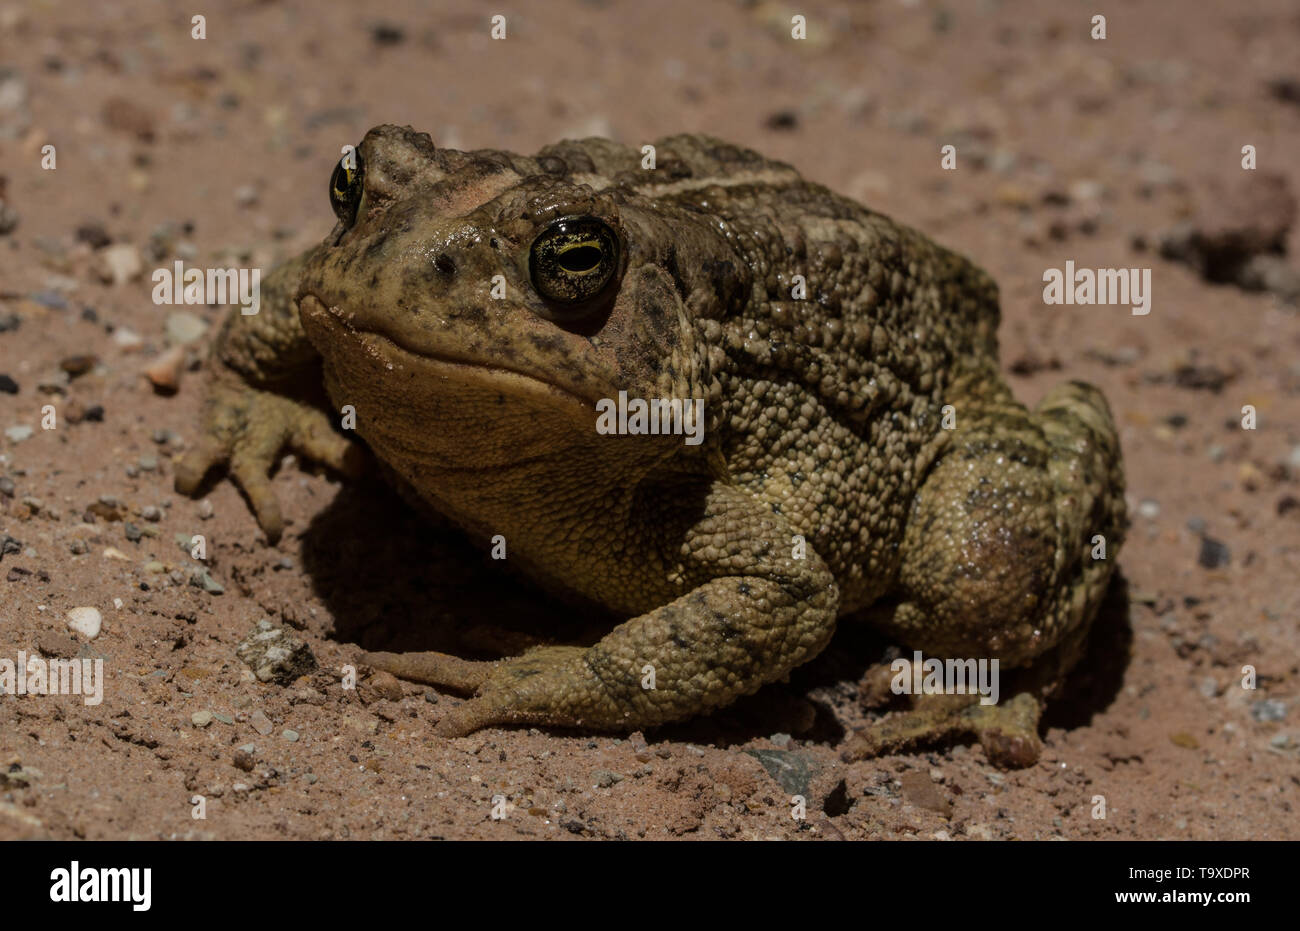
x,y
1010,544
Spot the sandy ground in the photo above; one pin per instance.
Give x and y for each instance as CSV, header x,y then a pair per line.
x,y
217,151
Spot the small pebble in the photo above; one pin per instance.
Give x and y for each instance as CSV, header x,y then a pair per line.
x,y
201,578
19,433
126,338
184,328
290,734
261,723
119,263
1268,709
1213,554
201,718
164,371
85,621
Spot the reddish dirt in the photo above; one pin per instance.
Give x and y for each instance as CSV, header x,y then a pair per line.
x,y
1068,148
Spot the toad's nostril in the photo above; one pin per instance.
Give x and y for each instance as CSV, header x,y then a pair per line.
x,y
445,265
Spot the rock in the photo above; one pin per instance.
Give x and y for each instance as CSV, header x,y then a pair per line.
x,y
1268,709
8,385
127,116
8,218
260,722
1213,554
108,508
201,578
9,545
792,770
275,655
54,381
15,116
386,33
243,760
184,328
201,718
385,685
78,365
119,263
782,120
1285,89
127,338
85,621
164,371
1232,223
92,233
290,735
55,644
19,433
920,790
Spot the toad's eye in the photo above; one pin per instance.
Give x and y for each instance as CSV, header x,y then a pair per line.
x,y
346,187
573,260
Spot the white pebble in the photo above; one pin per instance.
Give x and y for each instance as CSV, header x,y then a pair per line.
x,y
85,621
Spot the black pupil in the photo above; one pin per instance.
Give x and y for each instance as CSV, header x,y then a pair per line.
x,y
581,259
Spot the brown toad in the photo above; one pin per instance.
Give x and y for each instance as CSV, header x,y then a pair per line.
x,y
473,308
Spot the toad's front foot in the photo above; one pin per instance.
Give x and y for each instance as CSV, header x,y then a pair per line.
x,y
246,429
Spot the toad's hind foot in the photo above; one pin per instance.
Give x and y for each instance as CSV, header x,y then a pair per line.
x,y
432,668
1008,733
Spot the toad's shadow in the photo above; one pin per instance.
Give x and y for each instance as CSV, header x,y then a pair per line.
x,y
394,581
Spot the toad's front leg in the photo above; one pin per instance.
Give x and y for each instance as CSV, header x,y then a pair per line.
x,y
756,613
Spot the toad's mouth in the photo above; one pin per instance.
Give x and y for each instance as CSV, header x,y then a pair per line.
x,y
378,352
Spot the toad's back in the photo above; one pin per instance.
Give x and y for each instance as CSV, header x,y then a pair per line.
x,y
842,340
